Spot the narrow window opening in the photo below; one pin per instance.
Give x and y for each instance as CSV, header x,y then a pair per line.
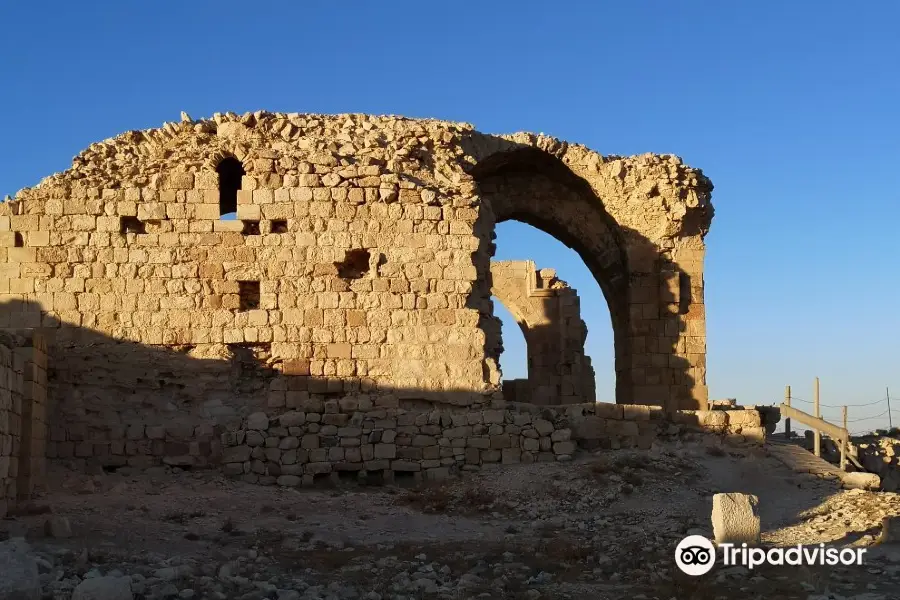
x,y
279,226
251,228
354,265
231,172
18,240
131,225
684,292
249,295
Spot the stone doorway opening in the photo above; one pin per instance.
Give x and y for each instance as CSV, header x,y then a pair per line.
x,y
548,360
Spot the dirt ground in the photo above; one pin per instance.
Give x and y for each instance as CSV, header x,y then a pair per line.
x,y
604,526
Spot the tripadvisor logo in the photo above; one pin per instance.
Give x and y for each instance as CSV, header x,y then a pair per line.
x,y
695,555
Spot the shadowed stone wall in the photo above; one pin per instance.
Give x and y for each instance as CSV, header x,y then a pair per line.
x,y
359,265
549,313
23,416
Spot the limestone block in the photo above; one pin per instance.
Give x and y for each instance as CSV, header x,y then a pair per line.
x,y
104,588
860,480
890,530
405,465
735,518
607,410
743,418
561,435
564,448
493,416
385,451
543,427
258,421
636,412
236,454
57,527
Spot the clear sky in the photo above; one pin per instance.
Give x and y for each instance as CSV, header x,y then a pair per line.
x,y
791,108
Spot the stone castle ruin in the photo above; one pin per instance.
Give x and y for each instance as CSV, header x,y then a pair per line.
x,y
343,320
548,312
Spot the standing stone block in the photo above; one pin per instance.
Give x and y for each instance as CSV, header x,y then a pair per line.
x,y
890,530
735,518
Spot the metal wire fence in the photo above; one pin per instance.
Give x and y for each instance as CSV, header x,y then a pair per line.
x,y
862,418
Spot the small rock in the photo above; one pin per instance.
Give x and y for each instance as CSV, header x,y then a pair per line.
x,y
104,588
58,527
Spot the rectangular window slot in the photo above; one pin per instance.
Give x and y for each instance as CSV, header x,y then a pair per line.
x,y
279,227
684,292
249,295
18,240
251,228
131,225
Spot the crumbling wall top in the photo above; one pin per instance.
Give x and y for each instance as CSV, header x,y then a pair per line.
x,y
655,195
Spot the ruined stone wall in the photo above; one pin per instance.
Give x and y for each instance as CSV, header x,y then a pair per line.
x,y
23,416
31,358
358,265
647,261
10,425
360,439
374,437
549,314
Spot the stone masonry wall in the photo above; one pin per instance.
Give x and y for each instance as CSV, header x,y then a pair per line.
x,y
10,424
373,435
23,416
358,438
357,265
31,359
549,313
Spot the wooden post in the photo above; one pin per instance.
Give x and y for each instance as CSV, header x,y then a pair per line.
x,y
817,435
787,421
888,392
844,443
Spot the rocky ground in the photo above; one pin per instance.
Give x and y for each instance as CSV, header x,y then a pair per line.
x,y
603,526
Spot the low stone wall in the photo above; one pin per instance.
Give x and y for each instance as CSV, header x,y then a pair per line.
x,y
357,438
367,434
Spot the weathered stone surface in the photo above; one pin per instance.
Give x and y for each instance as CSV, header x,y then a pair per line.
x,y
259,421
58,527
18,572
890,530
355,234
860,480
103,588
735,518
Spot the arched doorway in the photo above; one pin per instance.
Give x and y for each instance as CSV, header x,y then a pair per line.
x,y
535,188
548,313
645,252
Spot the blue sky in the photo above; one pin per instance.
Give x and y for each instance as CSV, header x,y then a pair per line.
x,y
789,107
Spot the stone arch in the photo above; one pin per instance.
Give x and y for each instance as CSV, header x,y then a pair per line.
x,y
548,312
536,188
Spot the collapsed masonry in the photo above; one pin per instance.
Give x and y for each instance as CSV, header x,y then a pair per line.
x,y
356,273
549,313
